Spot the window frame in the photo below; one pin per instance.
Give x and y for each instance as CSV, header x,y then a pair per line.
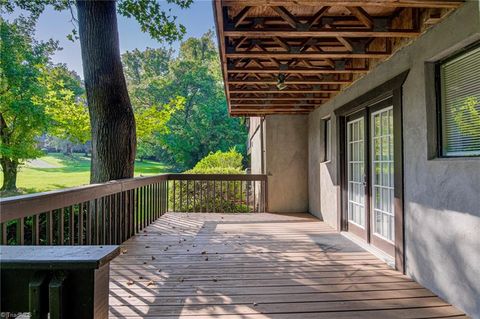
x,y
440,145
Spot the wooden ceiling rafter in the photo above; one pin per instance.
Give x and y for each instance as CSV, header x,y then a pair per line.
x,y
299,54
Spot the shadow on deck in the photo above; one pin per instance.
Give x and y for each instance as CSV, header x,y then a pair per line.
x,y
258,266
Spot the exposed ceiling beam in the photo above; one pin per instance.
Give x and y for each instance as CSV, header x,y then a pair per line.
x,y
304,91
298,71
307,55
277,99
351,3
241,16
287,82
270,105
352,33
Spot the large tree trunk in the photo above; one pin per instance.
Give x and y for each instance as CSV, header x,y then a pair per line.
x,y
10,169
111,113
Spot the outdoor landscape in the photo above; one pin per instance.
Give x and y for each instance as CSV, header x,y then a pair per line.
x,y
176,95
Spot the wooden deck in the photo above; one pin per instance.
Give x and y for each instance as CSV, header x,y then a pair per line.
x,y
259,266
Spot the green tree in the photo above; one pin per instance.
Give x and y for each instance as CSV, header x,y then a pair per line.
x,y
111,114
197,126
66,106
23,65
203,125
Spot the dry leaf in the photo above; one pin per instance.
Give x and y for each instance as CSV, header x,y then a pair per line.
x,y
150,283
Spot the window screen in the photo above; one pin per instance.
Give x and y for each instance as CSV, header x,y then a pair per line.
x,y
460,104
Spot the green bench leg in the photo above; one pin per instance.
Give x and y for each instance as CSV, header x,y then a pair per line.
x,y
37,296
55,296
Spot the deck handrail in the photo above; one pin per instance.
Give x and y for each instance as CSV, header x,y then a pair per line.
x,y
111,212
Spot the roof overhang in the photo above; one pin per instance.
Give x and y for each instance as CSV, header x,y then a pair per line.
x,y
291,56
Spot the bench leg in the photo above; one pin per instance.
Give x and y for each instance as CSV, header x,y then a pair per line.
x,y
37,296
56,298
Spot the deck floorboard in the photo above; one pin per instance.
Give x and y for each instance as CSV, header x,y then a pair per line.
x,y
258,266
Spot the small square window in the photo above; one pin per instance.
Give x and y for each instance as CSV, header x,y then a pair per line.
x,y
327,140
458,90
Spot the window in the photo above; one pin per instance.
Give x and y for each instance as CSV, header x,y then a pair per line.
x,y
459,91
328,139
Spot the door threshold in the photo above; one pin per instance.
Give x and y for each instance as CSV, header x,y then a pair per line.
x,y
371,249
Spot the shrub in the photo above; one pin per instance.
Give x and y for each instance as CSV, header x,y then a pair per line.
x,y
209,196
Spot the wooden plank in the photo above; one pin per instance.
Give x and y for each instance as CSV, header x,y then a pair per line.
x,y
196,265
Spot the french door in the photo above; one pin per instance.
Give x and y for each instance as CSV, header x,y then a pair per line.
x,y
370,176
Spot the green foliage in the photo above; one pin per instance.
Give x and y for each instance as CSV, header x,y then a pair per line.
x,y
147,64
229,162
66,105
200,123
226,196
35,97
23,64
152,18
467,116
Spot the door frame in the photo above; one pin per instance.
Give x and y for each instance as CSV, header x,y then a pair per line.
x,y
358,230
391,89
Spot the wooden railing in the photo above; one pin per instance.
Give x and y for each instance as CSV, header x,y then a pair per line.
x,y
112,212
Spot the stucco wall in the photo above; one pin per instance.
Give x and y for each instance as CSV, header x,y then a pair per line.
x,y
442,196
255,149
287,162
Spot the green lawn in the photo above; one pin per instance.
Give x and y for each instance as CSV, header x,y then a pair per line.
x,y
69,171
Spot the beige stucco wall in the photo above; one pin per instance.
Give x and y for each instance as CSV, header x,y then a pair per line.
x,y
442,205
255,137
286,162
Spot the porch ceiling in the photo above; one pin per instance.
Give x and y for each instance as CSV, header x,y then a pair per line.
x,y
314,48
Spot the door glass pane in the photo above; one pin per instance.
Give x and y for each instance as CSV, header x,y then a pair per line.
x,y
382,171
355,172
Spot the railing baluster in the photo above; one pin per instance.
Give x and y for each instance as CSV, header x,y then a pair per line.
x,y
144,209
35,230
111,218
98,204
167,194
115,213
149,204
254,196
132,213
137,210
80,224
71,233
4,237
89,222
126,214
20,233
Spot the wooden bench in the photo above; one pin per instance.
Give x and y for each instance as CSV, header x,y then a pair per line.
x,y
65,281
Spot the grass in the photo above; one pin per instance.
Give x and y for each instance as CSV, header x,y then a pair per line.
x,y
69,171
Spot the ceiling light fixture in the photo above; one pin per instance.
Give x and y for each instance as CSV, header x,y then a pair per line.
x,y
281,82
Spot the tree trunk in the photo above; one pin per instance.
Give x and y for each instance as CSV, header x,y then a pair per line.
x,y
10,169
111,113
68,149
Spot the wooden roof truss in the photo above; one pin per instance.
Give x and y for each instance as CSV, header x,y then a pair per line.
x,y
284,56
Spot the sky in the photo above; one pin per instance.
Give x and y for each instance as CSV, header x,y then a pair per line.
x,y
197,19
